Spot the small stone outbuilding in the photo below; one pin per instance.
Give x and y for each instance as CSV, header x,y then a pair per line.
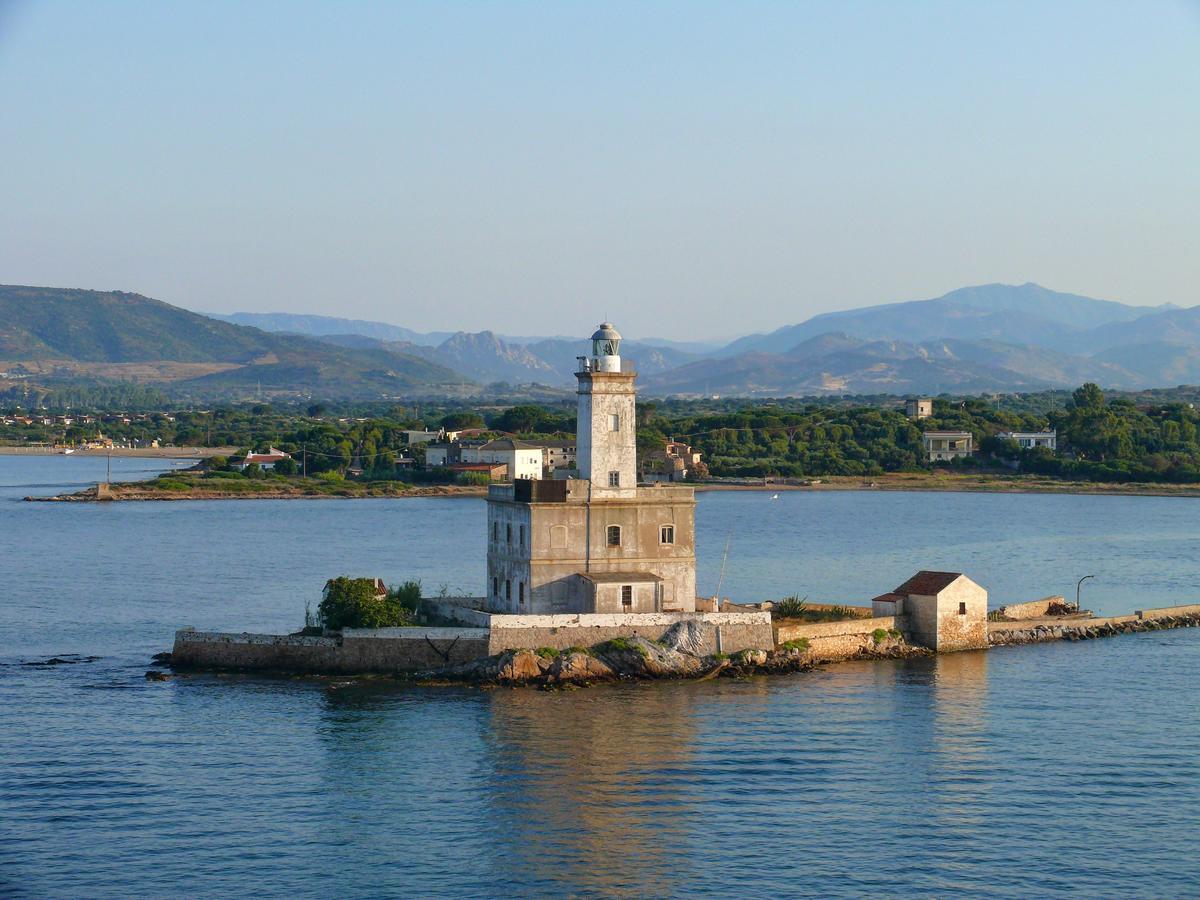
x,y
945,610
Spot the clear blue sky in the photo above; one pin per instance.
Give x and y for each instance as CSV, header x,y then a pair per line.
x,y
689,169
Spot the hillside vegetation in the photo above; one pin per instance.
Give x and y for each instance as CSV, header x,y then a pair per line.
x,y
111,336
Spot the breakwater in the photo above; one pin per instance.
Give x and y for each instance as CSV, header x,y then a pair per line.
x,y
1084,629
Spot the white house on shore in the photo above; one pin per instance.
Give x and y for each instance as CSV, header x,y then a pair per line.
x,y
1027,440
265,461
941,446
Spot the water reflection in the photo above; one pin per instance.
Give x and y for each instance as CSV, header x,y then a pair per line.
x,y
588,790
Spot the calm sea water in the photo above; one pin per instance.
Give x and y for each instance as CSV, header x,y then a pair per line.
x,y
1071,769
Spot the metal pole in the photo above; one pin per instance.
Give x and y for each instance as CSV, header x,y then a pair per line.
x,y
1078,586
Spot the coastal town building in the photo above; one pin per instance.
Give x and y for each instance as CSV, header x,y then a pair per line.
x,y
918,407
941,446
543,458
598,543
676,461
1027,440
423,437
265,461
558,458
524,460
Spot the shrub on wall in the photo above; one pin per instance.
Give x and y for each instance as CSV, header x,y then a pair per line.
x,y
353,603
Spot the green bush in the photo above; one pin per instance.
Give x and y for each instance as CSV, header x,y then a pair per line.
x,y
353,603
795,644
171,484
286,467
621,643
572,650
408,595
879,635
547,652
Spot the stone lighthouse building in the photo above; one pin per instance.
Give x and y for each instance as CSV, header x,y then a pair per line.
x,y
599,543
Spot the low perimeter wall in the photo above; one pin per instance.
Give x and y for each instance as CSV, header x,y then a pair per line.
x,y
726,632
357,651
1034,609
840,640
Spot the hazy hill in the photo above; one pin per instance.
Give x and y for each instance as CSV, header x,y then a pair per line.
x,y
121,335
486,357
1173,326
1019,314
840,363
322,326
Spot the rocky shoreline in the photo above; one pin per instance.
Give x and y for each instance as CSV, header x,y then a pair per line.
x,y
130,491
1086,630
623,659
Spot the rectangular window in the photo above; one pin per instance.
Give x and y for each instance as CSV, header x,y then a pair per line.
x,y
495,587
614,479
522,535
507,590
962,609
508,532
627,595
667,535
614,422
521,592
614,536
495,531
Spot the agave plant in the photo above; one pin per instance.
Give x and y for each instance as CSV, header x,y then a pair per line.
x,y
792,607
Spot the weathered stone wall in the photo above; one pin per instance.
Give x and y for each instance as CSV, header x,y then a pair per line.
x,y
357,651
829,641
1031,610
727,632
936,623
463,610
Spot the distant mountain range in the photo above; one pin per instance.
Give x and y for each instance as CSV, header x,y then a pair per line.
x,y
976,339
65,333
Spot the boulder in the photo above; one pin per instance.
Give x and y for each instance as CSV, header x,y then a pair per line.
x,y
521,667
639,658
579,668
686,637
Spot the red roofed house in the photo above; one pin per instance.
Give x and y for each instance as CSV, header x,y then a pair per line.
x,y
265,461
945,610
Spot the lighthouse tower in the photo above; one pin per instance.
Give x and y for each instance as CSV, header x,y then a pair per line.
x,y
606,434
597,543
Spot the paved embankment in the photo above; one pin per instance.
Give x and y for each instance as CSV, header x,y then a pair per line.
x,y
1034,631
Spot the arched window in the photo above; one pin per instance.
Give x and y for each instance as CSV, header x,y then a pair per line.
x,y
614,536
495,586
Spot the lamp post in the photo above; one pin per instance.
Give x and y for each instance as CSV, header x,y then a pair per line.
x,y
1078,586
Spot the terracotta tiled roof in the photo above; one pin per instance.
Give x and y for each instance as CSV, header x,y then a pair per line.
x,y
928,583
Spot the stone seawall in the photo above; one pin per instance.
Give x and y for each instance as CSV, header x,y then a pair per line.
x,y
723,632
832,641
1035,632
1033,609
357,651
